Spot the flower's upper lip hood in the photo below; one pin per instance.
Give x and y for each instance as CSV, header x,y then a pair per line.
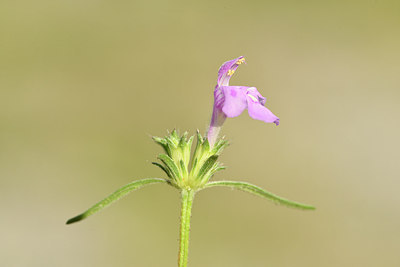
x,y
227,69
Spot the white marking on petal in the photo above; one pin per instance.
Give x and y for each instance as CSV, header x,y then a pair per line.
x,y
253,97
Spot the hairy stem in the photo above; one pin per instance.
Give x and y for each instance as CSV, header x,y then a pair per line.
x,y
186,210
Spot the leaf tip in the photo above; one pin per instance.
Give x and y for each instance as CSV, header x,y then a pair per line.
x,y
76,219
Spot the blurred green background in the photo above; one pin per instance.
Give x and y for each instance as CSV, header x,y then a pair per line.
x,y
84,84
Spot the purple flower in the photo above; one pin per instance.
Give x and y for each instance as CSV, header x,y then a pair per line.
x,y
231,101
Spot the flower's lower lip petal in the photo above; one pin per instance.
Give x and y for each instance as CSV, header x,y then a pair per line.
x,y
259,112
235,100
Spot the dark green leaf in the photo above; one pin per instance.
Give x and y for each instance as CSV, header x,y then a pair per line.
x,y
207,165
170,164
162,167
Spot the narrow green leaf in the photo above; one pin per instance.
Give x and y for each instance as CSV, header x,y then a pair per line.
x,y
198,148
183,168
194,165
159,140
255,190
172,141
219,146
170,164
123,191
216,167
199,137
175,134
207,165
162,167
206,145
186,151
190,141
182,140
163,143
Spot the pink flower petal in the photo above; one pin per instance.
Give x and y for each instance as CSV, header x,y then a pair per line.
x,y
259,112
235,100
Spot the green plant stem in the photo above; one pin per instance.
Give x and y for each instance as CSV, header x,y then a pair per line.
x,y
187,197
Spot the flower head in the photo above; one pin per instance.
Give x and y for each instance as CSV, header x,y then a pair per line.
x,y
231,101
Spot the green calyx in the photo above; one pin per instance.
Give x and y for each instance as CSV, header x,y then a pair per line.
x,y
186,172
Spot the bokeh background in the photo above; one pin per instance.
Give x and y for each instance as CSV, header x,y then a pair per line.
x,y
84,84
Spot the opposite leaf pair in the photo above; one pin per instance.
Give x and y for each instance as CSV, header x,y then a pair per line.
x,y
175,165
